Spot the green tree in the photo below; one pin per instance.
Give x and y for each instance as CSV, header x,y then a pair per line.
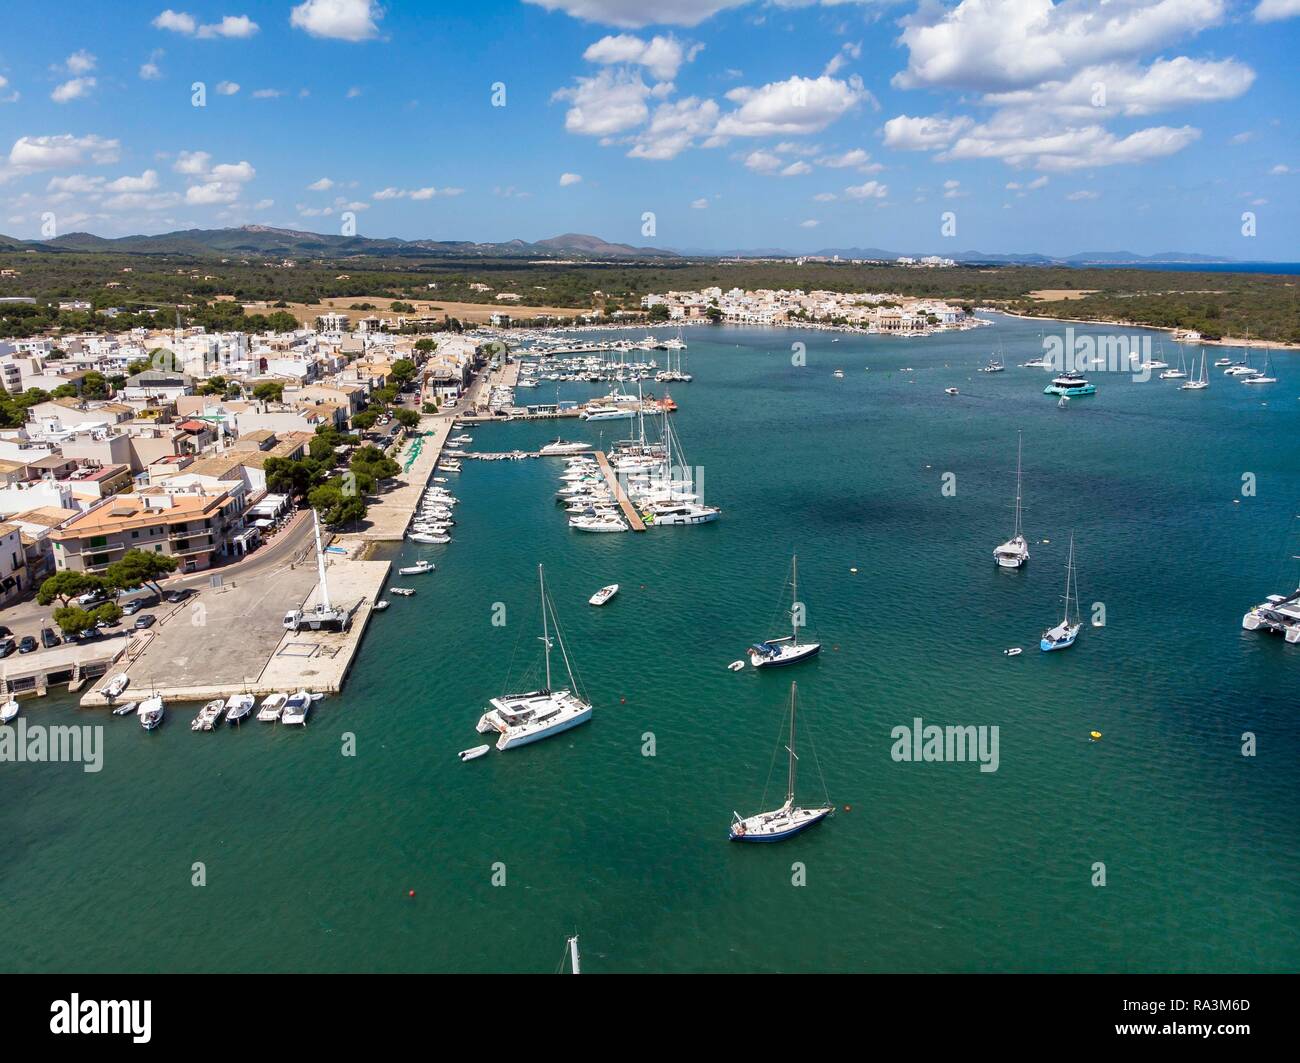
x,y
292,476
269,391
139,568
94,385
72,618
336,504
406,418
67,585
425,346
374,462
403,371
659,312
365,419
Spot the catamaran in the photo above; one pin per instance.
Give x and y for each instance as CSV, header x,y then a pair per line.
x,y
773,653
1279,613
1070,384
1063,635
790,818
520,719
1015,551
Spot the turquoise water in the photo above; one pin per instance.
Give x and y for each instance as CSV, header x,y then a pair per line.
x,y
310,855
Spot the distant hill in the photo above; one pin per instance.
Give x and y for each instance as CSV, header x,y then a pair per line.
x,y
294,243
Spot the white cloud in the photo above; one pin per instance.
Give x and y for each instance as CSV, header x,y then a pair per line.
x,y
227,88
993,45
176,21
1280,169
236,172
869,190
796,169
634,14
811,223
264,204
80,62
906,133
1082,194
146,182
700,204
674,128
825,197
78,184
567,179
267,94
856,158
340,20
952,189
763,162
352,93
192,162
149,70
136,201
841,58
661,56
416,193
1241,138
1276,10
31,154
232,26
613,101
1020,140
73,89
210,193
322,185
792,107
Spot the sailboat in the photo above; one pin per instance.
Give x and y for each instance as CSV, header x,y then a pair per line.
x,y
772,653
523,718
1063,635
1264,376
1176,374
790,818
1202,381
1015,551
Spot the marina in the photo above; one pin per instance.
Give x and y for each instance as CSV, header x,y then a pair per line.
x,y
911,619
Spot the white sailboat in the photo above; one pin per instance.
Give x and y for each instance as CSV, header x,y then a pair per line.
x,y
772,653
1015,551
1202,381
790,818
520,719
1264,376
1063,635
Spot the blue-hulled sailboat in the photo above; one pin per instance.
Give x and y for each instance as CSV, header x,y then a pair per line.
x,y
1063,635
789,819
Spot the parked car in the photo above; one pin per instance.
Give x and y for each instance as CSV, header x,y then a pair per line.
x,y
7,647
132,607
88,634
27,644
49,639
91,598
177,595
144,620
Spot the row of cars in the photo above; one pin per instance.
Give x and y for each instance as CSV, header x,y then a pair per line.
x,y
10,643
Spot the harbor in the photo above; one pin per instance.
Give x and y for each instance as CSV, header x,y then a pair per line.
x,y
912,614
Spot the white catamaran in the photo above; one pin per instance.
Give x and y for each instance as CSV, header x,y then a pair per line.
x,y
523,718
772,653
1015,551
790,818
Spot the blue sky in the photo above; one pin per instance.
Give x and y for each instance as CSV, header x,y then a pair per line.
x,y
1143,125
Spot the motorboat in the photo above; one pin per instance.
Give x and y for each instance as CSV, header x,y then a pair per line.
x,y
603,595
209,716
151,712
951,391
560,447
404,592
296,708
668,513
380,605
790,819
238,708
1070,385
272,707
9,711
417,569
521,719
116,686
598,523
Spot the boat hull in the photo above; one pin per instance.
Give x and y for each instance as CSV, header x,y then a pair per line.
x,y
800,824
507,741
787,656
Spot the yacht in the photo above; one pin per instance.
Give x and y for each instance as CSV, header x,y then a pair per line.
x,y
1220,362
296,708
1278,613
1015,551
680,513
1042,362
1262,376
607,413
151,712
603,595
520,719
838,374
563,446
1063,635
790,818
773,653
1070,384
238,707
994,366
598,523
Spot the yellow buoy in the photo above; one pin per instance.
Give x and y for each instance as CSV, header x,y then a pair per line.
x,y
1095,735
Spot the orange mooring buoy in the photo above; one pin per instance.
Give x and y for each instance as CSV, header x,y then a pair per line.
x,y
848,808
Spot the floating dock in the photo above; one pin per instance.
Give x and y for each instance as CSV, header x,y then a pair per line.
x,y
625,503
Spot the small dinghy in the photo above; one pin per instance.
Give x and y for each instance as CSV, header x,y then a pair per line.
x,y
8,711
736,666
473,754
381,605
405,592
1015,651
126,710
951,391
604,594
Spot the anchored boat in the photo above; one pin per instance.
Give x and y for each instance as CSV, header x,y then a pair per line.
x,y
772,653
1015,551
1063,635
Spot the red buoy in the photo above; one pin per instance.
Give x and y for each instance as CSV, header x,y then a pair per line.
x,y
848,808
410,893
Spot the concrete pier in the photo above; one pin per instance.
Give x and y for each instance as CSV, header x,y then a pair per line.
x,y
625,503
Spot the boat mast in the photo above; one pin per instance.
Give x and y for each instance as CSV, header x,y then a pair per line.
x,y
1069,574
789,796
573,955
546,637
323,605
1019,445
794,600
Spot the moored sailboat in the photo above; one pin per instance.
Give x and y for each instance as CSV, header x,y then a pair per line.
x,y
772,653
1015,551
1062,636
